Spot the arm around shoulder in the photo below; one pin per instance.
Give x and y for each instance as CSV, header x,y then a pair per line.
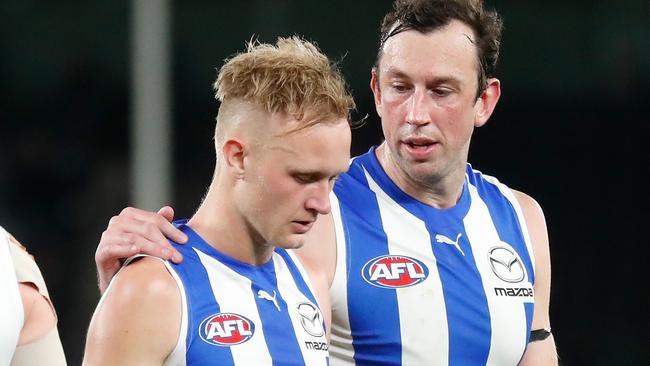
x,y
137,321
542,352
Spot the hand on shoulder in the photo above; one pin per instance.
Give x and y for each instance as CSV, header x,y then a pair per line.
x,y
132,232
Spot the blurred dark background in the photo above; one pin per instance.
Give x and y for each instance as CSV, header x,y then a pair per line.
x,y
571,129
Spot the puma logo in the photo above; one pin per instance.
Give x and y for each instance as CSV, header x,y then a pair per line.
x,y
266,296
445,240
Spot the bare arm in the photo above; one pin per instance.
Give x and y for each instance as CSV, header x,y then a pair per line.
x,y
318,255
320,247
137,321
539,353
38,341
136,231
319,282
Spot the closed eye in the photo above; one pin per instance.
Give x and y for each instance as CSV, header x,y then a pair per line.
x,y
308,178
441,92
400,88
305,178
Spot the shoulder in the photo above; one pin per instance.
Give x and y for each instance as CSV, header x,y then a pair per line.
x,y
144,281
534,216
140,314
527,202
538,232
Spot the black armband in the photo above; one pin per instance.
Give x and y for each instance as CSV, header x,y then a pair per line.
x,y
539,334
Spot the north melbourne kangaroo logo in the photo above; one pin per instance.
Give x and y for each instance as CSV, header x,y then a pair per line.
x,y
266,296
445,240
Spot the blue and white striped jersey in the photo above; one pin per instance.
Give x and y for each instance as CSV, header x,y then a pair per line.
x,y
239,314
416,285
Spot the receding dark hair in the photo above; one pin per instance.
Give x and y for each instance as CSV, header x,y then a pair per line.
x,y
425,16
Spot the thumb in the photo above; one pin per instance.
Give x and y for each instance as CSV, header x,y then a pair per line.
x,y
167,212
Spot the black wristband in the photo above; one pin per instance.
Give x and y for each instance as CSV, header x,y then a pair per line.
x,y
539,334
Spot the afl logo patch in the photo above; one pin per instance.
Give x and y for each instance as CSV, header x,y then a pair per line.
x,y
394,271
226,329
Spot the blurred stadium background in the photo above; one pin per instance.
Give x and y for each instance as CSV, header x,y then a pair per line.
x,y
571,129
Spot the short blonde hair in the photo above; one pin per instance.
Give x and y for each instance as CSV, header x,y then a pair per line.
x,y
293,76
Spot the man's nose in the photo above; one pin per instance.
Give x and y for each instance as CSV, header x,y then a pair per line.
x,y
319,200
418,111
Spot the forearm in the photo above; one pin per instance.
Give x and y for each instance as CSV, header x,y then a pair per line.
x,y
540,353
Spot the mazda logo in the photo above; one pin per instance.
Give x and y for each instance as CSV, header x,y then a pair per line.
x,y
310,319
506,264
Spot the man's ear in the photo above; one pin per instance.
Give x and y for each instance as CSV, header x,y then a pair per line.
x,y
376,91
233,153
487,101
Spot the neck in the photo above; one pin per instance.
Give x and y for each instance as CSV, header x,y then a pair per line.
x,y
441,189
218,223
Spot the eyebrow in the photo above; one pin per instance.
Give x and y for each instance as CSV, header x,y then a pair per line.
x,y
394,72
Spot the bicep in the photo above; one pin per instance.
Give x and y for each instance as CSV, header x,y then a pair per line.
x,y
537,230
540,352
318,255
318,279
137,321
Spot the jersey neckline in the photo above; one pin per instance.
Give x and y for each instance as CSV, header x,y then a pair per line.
x,y
371,165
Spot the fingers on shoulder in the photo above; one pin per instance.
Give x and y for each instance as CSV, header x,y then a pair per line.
x,y
116,245
131,212
155,219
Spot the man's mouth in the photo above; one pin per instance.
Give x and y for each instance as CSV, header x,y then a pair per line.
x,y
419,145
302,226
415,145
